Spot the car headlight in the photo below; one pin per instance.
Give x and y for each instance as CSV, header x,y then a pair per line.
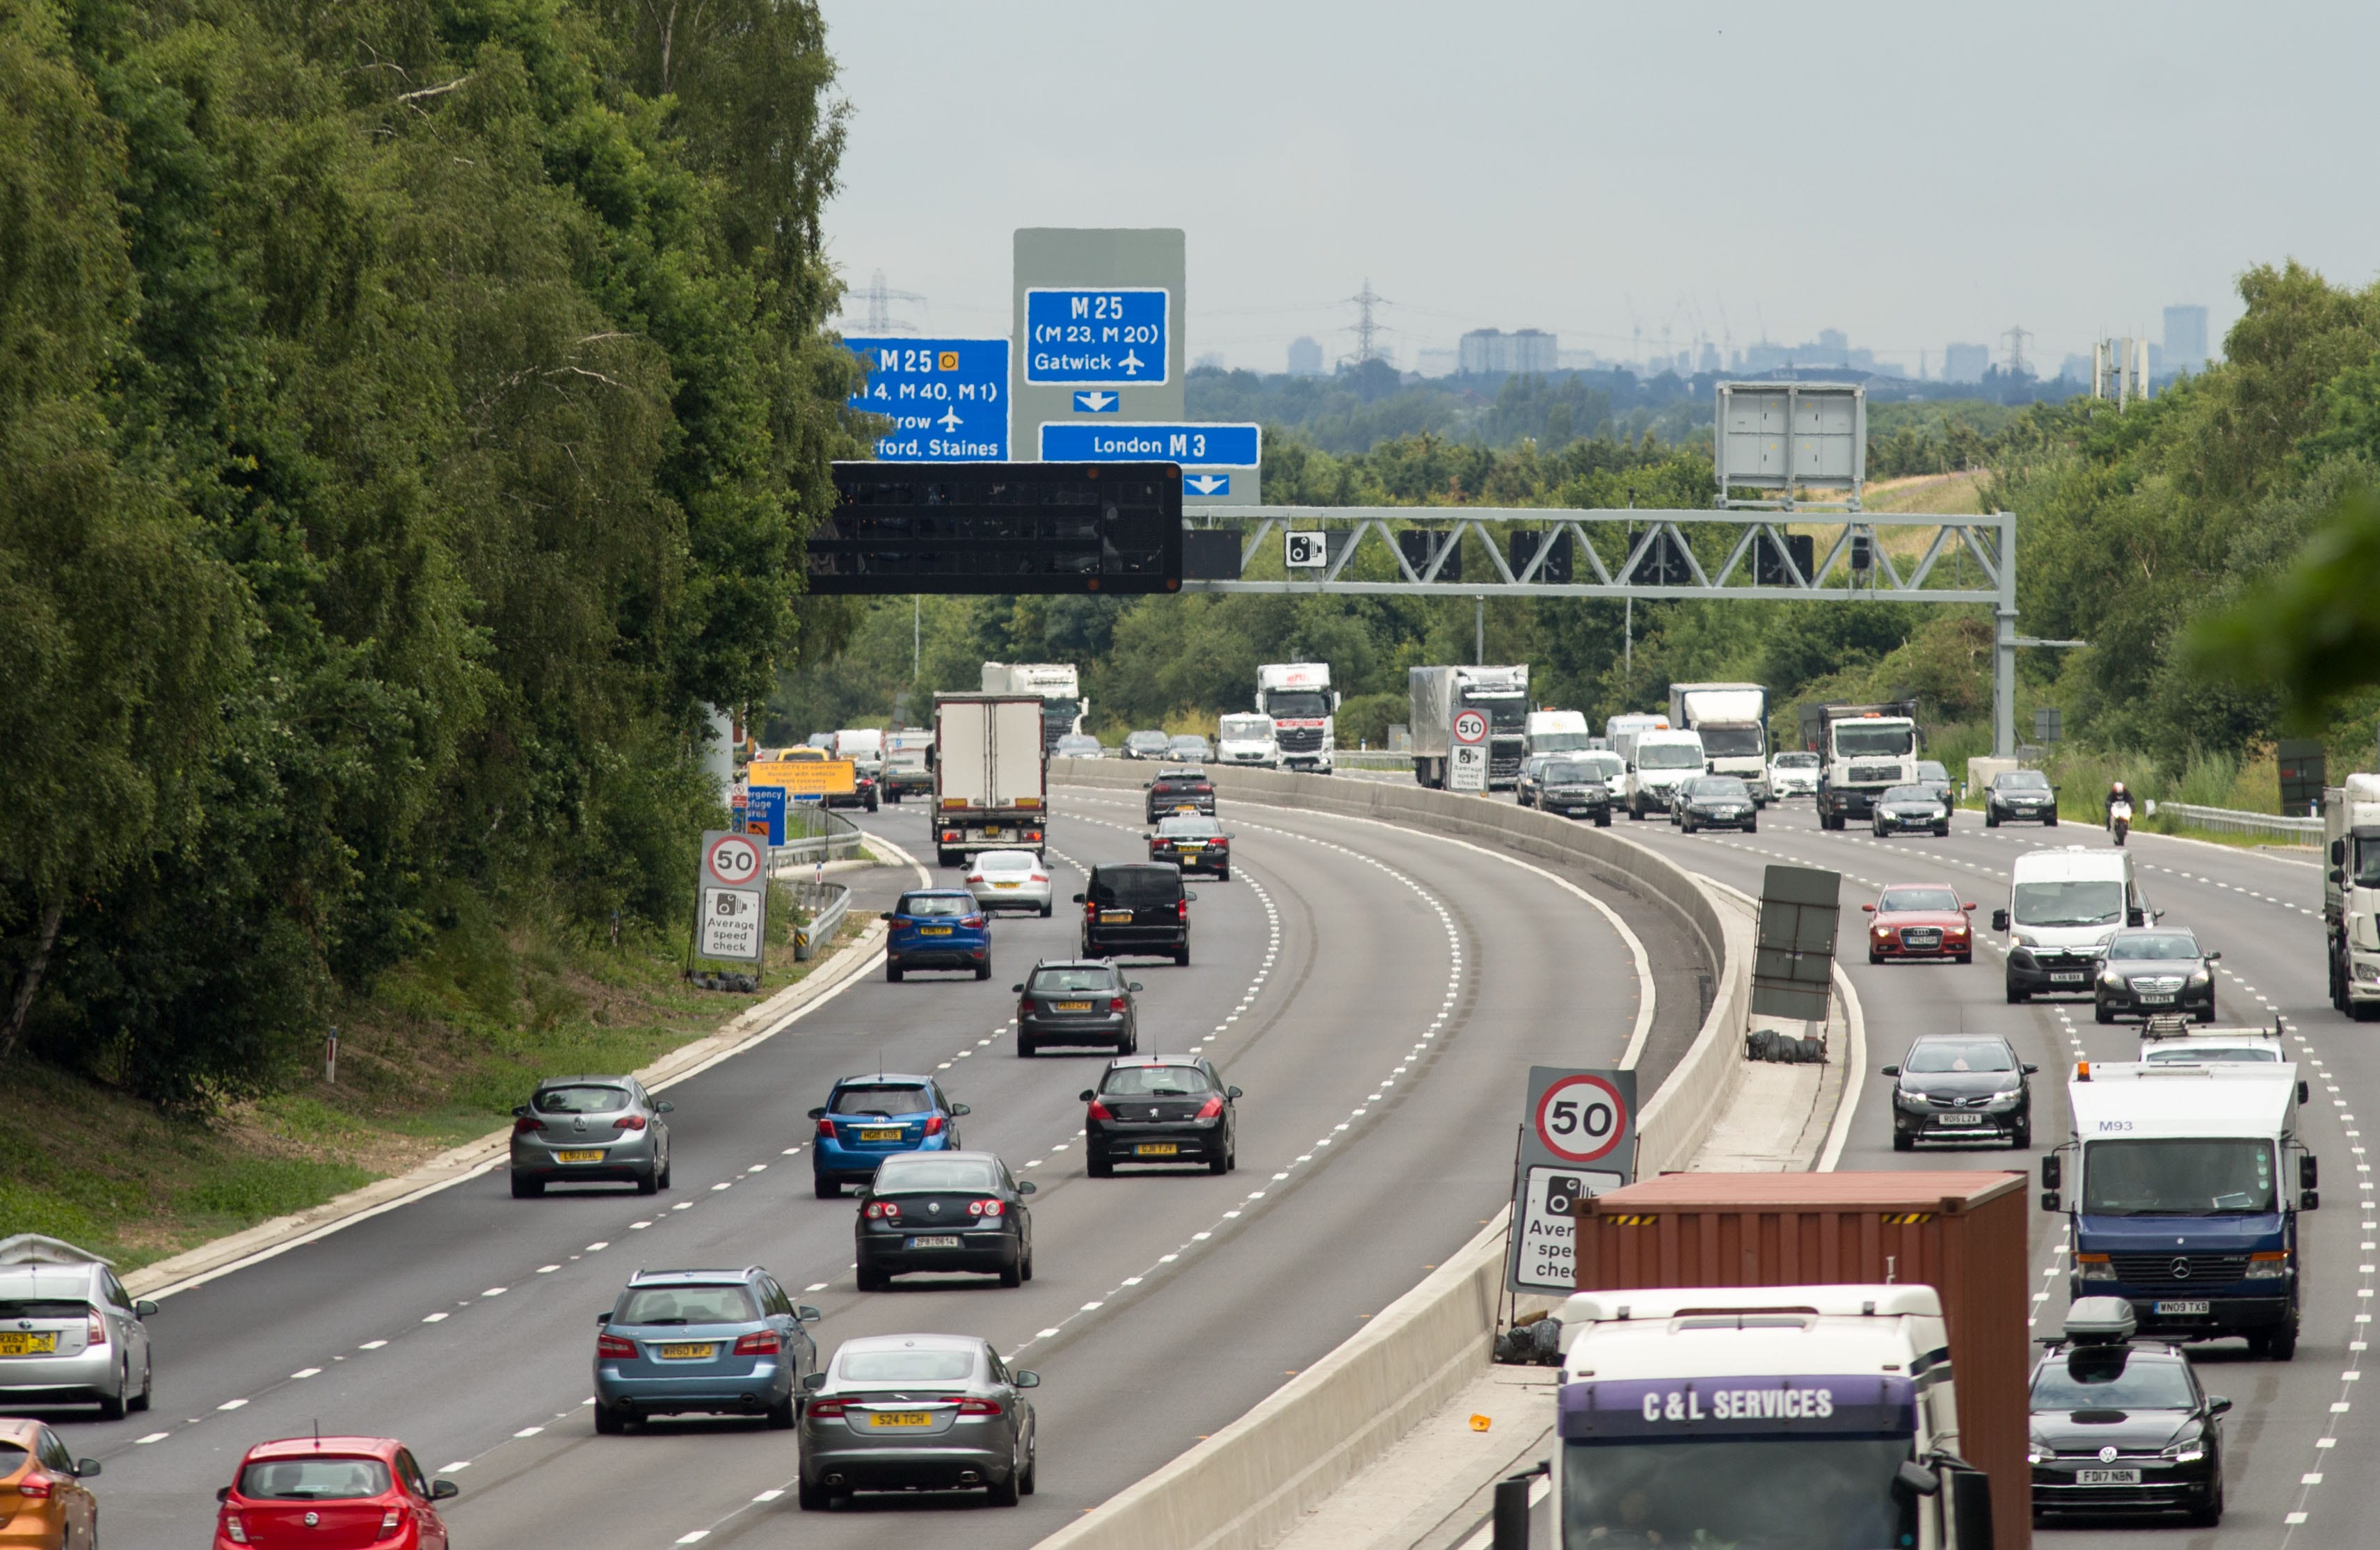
x,y
2201,977
2024,939
2268,1266
2188,1448
2111,979
2094,1267
2002,1102
2036,1454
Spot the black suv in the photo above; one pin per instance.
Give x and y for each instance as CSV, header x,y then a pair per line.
x,y
1138,907
1180,791
1961,1087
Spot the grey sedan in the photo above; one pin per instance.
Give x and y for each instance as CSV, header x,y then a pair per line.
x,y
916,1412
580,1127
1910,810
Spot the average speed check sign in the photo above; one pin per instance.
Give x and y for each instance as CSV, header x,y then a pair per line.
x,y
1470,726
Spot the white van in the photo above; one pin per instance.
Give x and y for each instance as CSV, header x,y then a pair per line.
x,y
1620,732
1247,739
864,746
2063,905
1657,762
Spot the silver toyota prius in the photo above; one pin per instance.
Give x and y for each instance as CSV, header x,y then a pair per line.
x,y
916,1412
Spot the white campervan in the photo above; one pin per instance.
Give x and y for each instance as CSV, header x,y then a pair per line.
x,y
2063,905
1247,739
1657,762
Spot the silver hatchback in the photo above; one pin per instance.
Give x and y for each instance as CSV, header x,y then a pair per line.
x,y
70,1333
582,1129
916,1412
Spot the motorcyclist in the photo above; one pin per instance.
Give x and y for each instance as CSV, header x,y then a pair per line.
x,y
2117,793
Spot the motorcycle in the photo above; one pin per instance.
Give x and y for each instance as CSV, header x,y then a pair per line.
x,y
2120,820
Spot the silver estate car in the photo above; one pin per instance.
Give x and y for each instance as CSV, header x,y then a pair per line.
x,y
916,1412
70,1333
591,1127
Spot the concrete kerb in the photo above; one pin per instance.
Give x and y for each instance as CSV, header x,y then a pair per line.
x,y
1247,1486
196,1266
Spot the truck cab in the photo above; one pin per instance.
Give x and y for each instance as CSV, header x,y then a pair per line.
x,y
1864,751
1303,708
2350,895
1710,1415
2188,1182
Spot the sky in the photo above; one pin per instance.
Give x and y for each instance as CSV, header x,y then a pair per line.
x,y
1912,174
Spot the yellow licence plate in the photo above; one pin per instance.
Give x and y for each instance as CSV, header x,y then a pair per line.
x,y
880,1135
1115,917
933,930
1155,1149
683,1353
19,1344
1006,885
900,1418
579,1157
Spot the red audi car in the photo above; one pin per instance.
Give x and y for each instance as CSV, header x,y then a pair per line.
x,y
1920,920
331,1494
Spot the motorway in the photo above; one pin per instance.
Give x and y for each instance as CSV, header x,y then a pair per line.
x,y
1377,995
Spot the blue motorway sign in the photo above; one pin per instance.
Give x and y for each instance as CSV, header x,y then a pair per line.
x,y
1097,401
1085,334
947,398
1193,446
1206,485
764,813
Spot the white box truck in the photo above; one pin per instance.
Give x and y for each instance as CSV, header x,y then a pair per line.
x,y
1438,695
1732,720
1058,685
2351,894
1621,731
1305,712
991,790
1559,732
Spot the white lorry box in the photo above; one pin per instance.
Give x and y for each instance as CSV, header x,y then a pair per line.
x,y
864,746
1621,731
990,775
1658,761
2351,894
1438,695
1059,686
1732,720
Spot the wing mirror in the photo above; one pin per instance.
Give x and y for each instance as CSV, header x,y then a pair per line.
x,y
85,1468
1033,1380
604,1317
1888,1070
1915,1478
813,1382
960,1111
808,1315
2339,852
2052,1172
2303,1092
1969,907
1231,1092
2217,1405
1016,990
818,1113
1026,1186
2032,1069
1088,1094
222,1493
1132,985
1078,898
1868,908
664,1107
2338,876
886,915
443,1490
2215,958
2136,917
144,1309
520,1111
2000,920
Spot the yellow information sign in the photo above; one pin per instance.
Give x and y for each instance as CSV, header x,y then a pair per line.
x,y
801,778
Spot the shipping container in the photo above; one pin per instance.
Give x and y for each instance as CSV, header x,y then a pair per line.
x,y
1963,1233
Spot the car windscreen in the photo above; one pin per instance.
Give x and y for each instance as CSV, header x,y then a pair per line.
x,y
2112,1378
1732,742
916,1171
1189,745
2022,779
1911,794
2185,1056
1956,1055
1929,770
1572,772
1155,1082
1721,788
1797,761
43,1307
2158,944
1078,977
1854,740
2192,1176
905,1366
314,1479
2071,902
1560,742
1246,729
1071,745
934,906
687,1304
1668,756
580,1100
1900,899
1006,861
883,1097
1146,740
1301,704
1135,887
1189,823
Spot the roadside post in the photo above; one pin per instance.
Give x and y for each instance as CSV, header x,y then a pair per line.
x,y
731,907
1578,1140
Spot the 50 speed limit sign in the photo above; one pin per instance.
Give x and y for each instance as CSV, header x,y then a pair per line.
x,y
1470,726
733,860
1581,1117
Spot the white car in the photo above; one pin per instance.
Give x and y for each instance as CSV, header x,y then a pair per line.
x,y
1793,775
1009,880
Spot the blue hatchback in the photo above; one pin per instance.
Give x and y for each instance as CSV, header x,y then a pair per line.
x,y
867,1119
938,929
719,1341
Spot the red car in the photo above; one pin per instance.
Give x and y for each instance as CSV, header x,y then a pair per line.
x,y
331,1494
1920,920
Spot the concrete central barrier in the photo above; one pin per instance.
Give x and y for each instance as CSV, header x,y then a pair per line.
x,y
1246,1486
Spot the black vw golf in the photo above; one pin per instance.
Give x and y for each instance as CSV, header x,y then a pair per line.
x,y
1161,1109
2122,1425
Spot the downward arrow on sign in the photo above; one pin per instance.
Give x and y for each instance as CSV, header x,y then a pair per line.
x,y
1209,484
1095,402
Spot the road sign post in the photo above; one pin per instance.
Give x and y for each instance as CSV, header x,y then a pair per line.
x,y
732,904
1578,1139
947,398
1466,764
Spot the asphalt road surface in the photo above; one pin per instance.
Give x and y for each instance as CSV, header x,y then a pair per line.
x,y
1378,993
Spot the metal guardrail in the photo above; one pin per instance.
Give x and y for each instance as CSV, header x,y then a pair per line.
x,y
813,834
824,905
2227,820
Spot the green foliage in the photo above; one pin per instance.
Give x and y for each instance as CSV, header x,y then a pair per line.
x,y
265,1187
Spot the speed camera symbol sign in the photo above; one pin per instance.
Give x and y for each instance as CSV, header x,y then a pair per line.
x,y
1581,1117
1471,727
1309,551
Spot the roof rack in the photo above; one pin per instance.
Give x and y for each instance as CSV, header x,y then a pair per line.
x,y
2165,1024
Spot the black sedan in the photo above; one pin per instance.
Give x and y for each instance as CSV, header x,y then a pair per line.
x,y
2019,793
1961,1087
1578,788
1077,1001
1195,842
939,1212
2125,1428
1144,745
2151,971
1911,810
1161,1109
1181,790
1715,802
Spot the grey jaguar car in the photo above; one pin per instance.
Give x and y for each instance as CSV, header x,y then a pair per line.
x,y
583,1129
916,1412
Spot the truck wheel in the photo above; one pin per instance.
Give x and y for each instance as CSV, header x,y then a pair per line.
x,y
2281,1345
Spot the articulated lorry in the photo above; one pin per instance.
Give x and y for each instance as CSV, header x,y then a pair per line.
x,y
1440,695
1058,685
1732,720
1305,708
1863,751
2189,1180
991,789
2351,894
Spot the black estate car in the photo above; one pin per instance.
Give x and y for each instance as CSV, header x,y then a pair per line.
x,y
2122,1425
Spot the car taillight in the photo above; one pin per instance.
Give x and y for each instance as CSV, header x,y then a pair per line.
x,y
1182,909
1034,835
96,1334
934,1124
615,1345
761,1342
883,1211
1025,1006
234,1530
978,1407
1213,1109
826,1130
973,923
630,1121
527,1124
1099,1110
35,1484
983,1208
826,1408
391,1520
1039,877
1090,910
951,835
1116,1003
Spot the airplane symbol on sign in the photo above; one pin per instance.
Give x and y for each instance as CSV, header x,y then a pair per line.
x,y
950,420
1209,484
1096,403
1132,363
